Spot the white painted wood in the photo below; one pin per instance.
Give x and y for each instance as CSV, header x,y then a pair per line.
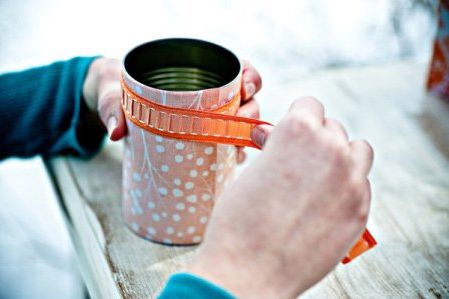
x,y
87,235
386,105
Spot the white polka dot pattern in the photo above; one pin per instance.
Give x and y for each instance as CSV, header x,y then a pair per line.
x,y
169,185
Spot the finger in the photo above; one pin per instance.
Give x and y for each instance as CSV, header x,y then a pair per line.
x,y
362,156
260,134
241,155
336,128
366,202
368,192
249,109
252,82
110,110
309,110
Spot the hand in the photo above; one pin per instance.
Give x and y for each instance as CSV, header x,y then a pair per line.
x,y
102,93
252,83
294,213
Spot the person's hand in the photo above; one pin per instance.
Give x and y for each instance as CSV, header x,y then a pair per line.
x,y
102,93
252,83
294,212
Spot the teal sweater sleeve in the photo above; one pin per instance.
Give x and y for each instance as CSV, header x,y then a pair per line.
x,y
42,112
188,286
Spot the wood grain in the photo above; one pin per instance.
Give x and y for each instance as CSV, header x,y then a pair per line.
x,y
386,105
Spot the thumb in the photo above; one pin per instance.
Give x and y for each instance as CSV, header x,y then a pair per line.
x,y
260,134
110,110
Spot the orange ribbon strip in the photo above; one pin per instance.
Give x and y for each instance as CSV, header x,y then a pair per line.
x,y
206,126
188,124
365,243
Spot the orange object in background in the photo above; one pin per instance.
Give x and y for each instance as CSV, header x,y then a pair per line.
x,y
438,79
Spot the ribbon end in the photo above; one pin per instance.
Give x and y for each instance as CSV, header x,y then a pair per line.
x,y
365,243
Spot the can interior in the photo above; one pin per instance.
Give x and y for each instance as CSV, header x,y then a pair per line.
x,y
182,65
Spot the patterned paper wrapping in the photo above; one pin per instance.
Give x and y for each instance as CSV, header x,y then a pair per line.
x,y
169,185
438,80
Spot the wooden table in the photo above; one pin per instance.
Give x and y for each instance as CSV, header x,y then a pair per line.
x,y
387,105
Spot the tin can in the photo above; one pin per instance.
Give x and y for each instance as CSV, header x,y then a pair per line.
x,y
170,185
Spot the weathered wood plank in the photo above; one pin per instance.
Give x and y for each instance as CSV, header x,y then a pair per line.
x,y
87,234
139,267
410,216
410,213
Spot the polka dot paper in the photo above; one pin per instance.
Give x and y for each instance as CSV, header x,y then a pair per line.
x,y
170,185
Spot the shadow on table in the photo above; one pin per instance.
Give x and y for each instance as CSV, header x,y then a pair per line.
x,y
435,121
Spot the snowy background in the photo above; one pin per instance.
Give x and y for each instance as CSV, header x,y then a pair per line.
x,y
285,40
294,35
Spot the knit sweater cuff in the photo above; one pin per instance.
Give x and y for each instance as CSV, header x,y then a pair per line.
x,y
188,286
86,133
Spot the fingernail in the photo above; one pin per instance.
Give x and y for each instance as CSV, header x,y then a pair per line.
x,y
258,136
112,125
250,89
241,156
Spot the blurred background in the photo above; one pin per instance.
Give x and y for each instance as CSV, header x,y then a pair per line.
x,y
285,40
291,36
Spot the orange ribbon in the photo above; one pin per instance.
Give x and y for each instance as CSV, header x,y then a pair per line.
x,y
188,124
206,126
365,242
